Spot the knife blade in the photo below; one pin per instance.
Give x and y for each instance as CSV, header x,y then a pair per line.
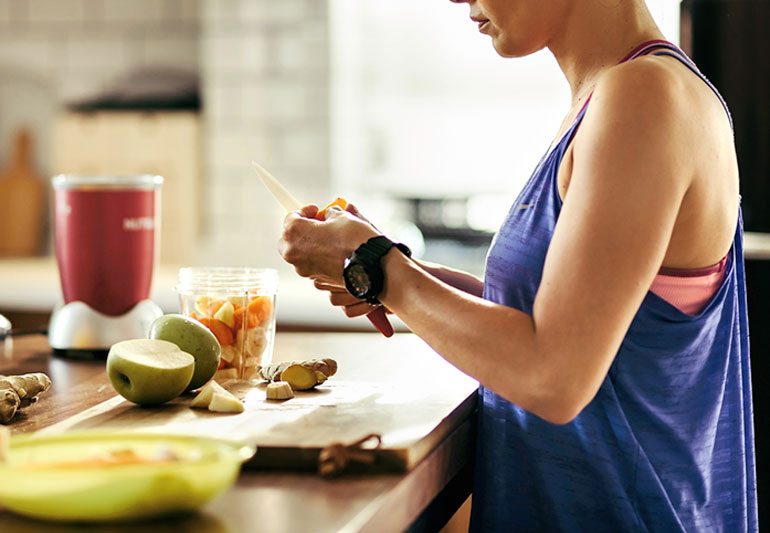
x,y
279,192
377,317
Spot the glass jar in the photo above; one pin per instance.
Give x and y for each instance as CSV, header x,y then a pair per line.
x,y
238,306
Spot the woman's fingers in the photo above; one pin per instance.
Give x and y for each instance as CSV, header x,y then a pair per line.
x,y
309,211
326,286
358,309
342,299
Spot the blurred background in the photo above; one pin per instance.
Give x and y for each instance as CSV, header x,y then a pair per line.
x,y
402,107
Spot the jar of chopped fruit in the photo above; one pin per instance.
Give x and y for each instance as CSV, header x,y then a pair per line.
x,y
238,306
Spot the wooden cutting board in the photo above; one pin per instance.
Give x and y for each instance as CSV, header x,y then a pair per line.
x,y
22,202
397,388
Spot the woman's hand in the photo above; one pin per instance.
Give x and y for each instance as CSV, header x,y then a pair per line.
x,y
318,248
340,297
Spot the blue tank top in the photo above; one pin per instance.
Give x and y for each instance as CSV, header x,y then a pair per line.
x,y
666,444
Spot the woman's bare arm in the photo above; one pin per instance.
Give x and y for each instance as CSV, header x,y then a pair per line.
x,y
628,180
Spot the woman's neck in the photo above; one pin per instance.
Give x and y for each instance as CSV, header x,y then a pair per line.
x,y
596,35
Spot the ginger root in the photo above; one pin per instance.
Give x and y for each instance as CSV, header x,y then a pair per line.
x,y
19,391
301,375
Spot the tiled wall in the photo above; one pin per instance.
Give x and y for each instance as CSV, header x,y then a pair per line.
x,y
265,79
58,51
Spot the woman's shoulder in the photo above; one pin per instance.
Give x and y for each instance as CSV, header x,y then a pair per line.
x,y
658,96
653,120
647,87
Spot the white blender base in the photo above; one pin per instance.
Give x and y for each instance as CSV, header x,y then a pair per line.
x,y
77,326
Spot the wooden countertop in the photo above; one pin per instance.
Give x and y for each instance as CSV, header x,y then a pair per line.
x,y
421,499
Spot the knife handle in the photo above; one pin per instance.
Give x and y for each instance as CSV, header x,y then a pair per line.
x,y
379,319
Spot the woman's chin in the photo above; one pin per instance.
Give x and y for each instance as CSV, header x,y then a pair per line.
x,y
507,48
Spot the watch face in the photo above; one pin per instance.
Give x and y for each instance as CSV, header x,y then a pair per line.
x,y
358,280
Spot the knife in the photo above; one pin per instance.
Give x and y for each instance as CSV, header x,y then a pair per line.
x,y
377,317
279,192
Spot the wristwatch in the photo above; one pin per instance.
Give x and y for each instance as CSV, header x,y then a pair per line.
x,y
363,273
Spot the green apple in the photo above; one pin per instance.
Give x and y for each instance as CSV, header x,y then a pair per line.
x,y
149,371
194,338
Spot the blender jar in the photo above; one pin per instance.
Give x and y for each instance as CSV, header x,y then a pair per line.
x,y
238,306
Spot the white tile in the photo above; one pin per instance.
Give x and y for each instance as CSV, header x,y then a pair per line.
x,y
290,53
179,52
76,88
230,152
254,53
86,53
254,104
189,10
302,49
305,148
218,11
278,12
56,10
221,53
6,14
186,11
28,55
263,148
221,102
223,200
284,101
147,11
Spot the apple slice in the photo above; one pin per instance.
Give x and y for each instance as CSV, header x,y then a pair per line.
x,y
149,371
224,402
214,397
203,398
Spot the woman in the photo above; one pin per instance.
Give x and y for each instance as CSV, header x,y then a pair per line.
x,y
609,335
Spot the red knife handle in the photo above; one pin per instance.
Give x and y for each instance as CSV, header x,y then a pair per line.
x,y
380,321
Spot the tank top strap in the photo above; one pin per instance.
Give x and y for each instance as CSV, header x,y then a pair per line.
x,y
665,48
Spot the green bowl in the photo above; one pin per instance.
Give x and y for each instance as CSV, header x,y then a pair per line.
x,y
36,484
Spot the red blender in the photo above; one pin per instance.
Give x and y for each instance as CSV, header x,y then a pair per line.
x,y
106,235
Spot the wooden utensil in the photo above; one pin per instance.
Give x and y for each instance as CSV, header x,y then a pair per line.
x,y
22,201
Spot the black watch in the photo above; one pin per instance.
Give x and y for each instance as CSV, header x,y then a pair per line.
x,y
363,274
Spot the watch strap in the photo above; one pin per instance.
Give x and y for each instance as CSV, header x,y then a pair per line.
x,y
375,248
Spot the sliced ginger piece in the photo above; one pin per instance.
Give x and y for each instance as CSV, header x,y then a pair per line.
x,y
301,377
279,390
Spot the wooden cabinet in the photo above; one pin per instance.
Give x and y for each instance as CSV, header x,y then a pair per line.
x,y
166,143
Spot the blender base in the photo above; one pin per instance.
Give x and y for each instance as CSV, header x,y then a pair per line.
x,y
81,355
78,331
